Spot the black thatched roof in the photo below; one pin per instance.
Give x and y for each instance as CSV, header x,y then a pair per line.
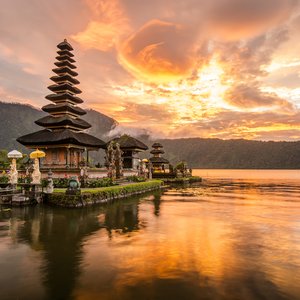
x,y
65,46
64,96
50,121
65,86
65,78
65,57
61,137
63,107
157,145
65,63
65,52
156,151
127,142
63,70
159,160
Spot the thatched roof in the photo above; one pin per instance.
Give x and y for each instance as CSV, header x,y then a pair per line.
x,y
128,142
65,52
63,107
60,137
157,145
65,46
65,57
159,160
65,77
63,70
62,121
156,151
64,96
65,86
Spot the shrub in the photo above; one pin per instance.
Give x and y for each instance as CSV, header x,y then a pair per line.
x,y
4,179
60,182
135,178
99,182
106,193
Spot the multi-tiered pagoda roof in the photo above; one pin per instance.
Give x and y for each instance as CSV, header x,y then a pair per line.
x,y
63,125
157,151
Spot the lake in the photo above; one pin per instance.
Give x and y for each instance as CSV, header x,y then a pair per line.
x,y
234,236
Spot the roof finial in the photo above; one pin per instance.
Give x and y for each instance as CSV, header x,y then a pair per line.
x,y
65,40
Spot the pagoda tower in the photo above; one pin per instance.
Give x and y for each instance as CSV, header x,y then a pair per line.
x,y
158,162
63,138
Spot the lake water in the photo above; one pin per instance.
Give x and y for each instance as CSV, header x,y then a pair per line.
x,y
234,236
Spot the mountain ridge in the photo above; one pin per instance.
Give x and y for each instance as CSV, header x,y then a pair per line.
x,y
198,152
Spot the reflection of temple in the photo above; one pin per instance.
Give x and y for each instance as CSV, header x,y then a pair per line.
x,y
58,234
63,138
122,217
158,162
157,203
130,147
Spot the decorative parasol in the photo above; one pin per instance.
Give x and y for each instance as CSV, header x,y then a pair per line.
x,y
37,154
14,154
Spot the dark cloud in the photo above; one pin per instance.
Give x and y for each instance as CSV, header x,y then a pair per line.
x,y
247,96
240,19
245,60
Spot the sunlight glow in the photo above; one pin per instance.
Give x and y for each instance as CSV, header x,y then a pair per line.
x,y
186,99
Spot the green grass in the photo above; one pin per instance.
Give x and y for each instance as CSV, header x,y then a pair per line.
x,y
183,179
96,195
131,186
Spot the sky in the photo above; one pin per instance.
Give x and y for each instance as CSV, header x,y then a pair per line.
x,y
171,68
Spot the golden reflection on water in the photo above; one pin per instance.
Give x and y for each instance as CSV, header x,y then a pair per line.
x,y
213,236
223,239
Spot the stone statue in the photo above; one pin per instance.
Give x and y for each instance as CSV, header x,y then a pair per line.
x,y
110,161
73,186
150,168
36,174
50,187
13,173
118,161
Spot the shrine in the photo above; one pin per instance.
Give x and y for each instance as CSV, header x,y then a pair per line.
x,y
63,138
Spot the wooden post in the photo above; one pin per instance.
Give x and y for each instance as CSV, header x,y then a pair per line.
x,y
87,157
67,153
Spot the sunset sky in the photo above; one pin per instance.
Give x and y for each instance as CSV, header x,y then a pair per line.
x,y
173,68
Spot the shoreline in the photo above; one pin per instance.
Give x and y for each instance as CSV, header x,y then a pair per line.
x,y
100,195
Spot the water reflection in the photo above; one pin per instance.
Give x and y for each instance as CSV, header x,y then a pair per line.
x,y
220,240
58,235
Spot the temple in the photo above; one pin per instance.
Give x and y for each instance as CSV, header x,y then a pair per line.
x,y
158,162
130,148
63,138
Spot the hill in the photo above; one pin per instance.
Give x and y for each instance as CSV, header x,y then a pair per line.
x,y
18,119
233,154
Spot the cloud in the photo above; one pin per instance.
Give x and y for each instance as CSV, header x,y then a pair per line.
x,y
250,96
218,68
159,51
241,19
108,22
249,125
153,113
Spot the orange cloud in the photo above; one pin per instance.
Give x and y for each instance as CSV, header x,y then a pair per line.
x,y
240,19
159,51
107,24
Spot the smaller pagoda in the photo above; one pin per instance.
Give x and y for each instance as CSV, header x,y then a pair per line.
x,y
63,139
158,162
130,148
